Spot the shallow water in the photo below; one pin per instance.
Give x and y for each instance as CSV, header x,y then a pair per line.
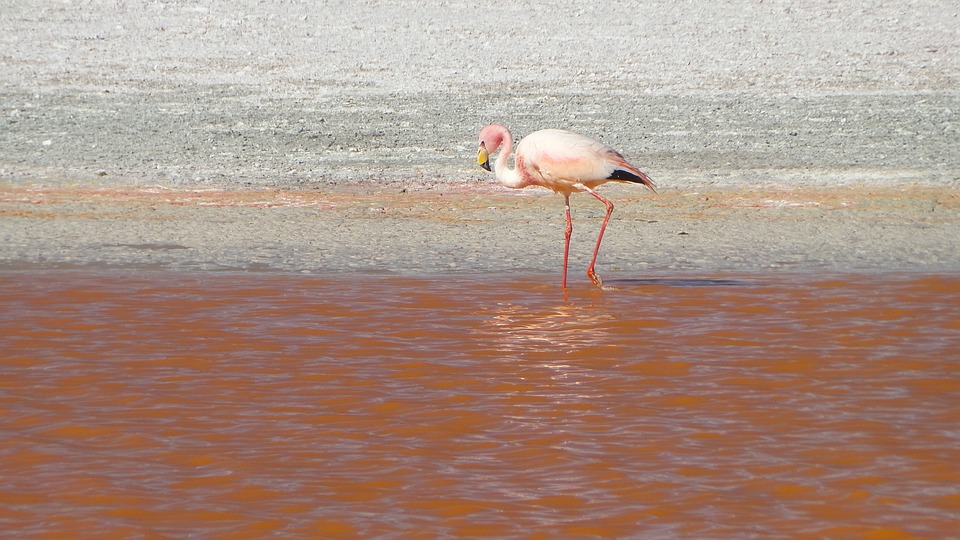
x,y
249,405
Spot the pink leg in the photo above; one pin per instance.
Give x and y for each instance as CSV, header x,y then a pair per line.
x,y
591,273
567,233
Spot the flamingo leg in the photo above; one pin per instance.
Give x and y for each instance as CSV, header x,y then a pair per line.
x,y
567,233
591,273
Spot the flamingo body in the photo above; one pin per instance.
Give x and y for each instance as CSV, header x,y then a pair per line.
x,y
564,162
559,160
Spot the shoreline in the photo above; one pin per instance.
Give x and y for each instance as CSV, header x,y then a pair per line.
x,y
444,228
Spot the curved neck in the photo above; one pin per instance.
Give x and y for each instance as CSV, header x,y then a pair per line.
x,y
507,176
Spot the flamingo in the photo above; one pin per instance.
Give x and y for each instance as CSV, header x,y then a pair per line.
x,y
565,162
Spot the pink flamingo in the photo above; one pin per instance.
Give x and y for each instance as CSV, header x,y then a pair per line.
x,y
565,162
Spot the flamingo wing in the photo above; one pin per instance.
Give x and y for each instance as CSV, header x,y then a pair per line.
x,y
558,159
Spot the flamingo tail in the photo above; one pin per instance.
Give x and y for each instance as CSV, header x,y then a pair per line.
x,y
628,173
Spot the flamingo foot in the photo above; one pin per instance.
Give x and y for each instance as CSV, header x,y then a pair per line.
x,y
595,277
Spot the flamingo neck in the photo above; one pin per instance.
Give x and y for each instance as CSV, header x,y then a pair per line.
x,y
511,178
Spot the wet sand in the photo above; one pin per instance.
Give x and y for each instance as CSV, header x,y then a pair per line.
x,y
484,229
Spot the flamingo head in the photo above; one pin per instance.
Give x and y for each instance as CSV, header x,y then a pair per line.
x,y
491,137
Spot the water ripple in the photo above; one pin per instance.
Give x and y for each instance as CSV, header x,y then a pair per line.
x,y
232,404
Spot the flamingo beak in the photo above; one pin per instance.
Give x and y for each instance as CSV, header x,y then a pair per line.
x,y
483,158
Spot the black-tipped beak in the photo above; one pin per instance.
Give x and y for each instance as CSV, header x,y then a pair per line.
x,y
483,158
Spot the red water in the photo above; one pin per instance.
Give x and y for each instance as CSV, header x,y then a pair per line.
x,y
254,405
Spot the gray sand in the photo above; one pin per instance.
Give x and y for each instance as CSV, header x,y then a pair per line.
x,y
817,136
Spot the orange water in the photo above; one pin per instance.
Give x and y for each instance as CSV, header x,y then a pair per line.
x,y
255,405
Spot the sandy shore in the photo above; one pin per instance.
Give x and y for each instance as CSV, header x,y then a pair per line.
x,y
481,228
310,139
